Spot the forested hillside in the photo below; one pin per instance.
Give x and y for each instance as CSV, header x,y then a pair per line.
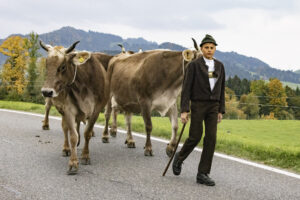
x,y
236,64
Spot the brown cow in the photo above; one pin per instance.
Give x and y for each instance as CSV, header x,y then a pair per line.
x,y
59,50
113,108
146,81
78,86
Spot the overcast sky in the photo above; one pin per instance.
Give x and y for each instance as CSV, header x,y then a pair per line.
x,y
265,29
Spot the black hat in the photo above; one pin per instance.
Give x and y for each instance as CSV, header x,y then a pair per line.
x,y
208,39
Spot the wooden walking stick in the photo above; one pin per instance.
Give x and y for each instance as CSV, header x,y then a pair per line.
x,y
167,167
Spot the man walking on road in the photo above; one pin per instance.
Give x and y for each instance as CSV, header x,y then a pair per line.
x,y
204,86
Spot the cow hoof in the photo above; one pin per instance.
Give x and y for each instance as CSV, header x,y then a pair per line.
x,y
130,144
46,127
105,139
113,133
169,150
66,152
72,171
148,152
85,161
73,166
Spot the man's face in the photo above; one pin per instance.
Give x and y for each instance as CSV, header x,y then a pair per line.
x,y
208,50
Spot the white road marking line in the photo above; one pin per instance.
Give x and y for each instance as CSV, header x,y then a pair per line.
x,y
246,162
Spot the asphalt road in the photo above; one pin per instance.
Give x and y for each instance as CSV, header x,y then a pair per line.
x,y
31,167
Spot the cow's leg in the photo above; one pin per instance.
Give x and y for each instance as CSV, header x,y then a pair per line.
x,y
105,136
66,148
146,113
47,109
129,140
78,131
85,156
114,125
173,116
73,162
113,129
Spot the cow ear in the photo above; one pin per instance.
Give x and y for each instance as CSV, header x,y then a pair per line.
x,y
188,55
81,57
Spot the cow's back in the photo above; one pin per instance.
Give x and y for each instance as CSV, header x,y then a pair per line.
x,y
98,80
148,75
160,71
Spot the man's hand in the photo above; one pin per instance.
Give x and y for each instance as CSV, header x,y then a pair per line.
x,y
220,117
184,117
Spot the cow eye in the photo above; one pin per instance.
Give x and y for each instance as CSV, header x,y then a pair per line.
x,y
61,68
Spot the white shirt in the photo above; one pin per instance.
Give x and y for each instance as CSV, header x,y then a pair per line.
x,y
211,68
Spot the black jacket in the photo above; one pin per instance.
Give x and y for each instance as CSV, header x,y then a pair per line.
x,y
196,85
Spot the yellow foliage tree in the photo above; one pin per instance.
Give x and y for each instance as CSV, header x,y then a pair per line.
x,y
271,116
232,110
277,96
13,72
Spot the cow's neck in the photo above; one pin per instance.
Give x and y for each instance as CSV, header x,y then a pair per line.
x,y
103,59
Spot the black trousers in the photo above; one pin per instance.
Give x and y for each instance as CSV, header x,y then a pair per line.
x,y
206,111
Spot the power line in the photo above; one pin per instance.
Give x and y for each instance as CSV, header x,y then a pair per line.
x,y
263,96
264,105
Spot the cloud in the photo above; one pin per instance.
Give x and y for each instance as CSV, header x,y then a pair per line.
x,y
151,15
252,27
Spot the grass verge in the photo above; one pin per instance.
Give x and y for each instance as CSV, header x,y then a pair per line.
x,y
271,142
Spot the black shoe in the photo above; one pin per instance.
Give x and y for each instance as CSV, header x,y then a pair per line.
x,y
177,165
205,179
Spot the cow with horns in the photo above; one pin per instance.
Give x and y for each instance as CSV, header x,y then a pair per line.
x,y
77,84
146,81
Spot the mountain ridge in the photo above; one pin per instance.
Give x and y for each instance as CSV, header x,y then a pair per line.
x,y
236,64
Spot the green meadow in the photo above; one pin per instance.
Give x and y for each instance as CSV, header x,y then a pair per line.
x,y
270,142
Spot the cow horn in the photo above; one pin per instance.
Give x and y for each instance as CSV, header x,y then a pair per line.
x,y
71,48
195,44
123,49
44,46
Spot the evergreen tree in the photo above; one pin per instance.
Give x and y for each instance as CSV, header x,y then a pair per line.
x,y
260,89
32,46
293,102
297,91
228,83
245,86
239,86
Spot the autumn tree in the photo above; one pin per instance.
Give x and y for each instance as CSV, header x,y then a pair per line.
x,y
13,72
232,110
249,104
277,98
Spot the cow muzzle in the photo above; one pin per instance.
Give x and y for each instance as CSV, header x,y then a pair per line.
x,y
48,92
